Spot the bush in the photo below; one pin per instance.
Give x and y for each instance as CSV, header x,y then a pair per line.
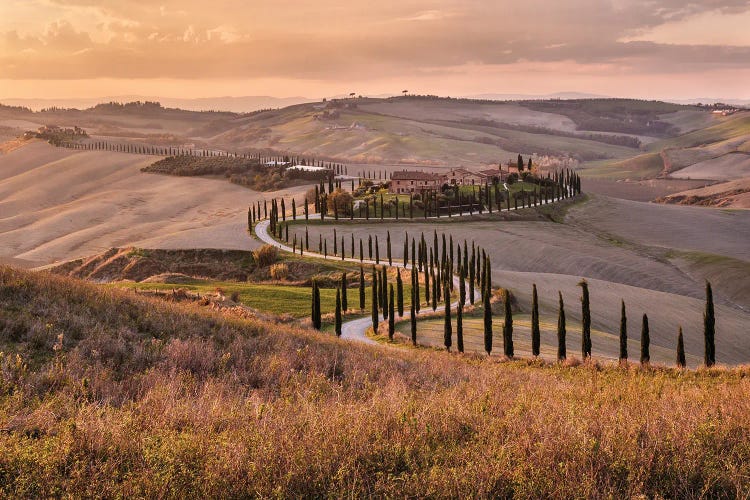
x,y
512,178
279,271
266,255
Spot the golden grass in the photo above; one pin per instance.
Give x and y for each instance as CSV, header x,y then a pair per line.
x,y
152,399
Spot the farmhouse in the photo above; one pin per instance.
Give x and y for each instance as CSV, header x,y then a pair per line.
x,y
492,174
412,181
464,177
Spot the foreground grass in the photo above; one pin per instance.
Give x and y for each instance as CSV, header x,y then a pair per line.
x,y
152,399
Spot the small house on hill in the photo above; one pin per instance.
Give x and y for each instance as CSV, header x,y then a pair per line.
x,y
414,181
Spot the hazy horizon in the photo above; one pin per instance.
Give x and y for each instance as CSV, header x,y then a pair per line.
x,y
663,49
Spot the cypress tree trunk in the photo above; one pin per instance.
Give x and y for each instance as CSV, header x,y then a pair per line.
x,y
447,329
681,363
460,327
623,334
562,348
337,320
709,328
391,320
344,302
361,288
645,342
535,332
507,326
586,320
399,294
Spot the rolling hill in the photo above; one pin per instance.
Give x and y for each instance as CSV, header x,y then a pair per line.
x,y
106,393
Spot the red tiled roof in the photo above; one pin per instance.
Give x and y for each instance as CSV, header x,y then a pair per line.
x,y
413,175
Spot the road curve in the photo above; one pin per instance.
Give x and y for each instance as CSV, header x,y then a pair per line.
x,y
356,329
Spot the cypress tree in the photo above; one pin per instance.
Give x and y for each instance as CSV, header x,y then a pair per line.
x,y
460,327
562,348
645,342
391,320
507,326
434,291
709,328
294,209
388,248
316,306
681,362
623,334
377,250
400,294
344,303
374,306
337,320
361,253
535,332
415,286
471,277
369,247
335,243
426,284
406,250
487,323
447,329
586,320
461,285
313,313
384,291
361,288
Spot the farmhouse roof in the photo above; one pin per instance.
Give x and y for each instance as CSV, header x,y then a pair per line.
x,y
414,175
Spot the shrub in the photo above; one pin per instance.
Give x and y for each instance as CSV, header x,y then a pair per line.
x,y
266,255
279,271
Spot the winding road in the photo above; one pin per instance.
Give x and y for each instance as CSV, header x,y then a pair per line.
x,y
356,329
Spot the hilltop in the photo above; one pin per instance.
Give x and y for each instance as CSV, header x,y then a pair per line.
x,y
116,394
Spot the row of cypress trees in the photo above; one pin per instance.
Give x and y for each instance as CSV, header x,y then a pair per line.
x,y
567,185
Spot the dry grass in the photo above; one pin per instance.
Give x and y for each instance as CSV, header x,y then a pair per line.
x,y
154,399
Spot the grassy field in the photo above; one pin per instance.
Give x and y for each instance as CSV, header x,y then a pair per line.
x,y
116,395
278,299
645,166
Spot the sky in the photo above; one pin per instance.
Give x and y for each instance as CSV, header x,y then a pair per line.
x,y
660,49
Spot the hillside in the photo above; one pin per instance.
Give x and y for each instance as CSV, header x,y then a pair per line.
x,y
119,395
413,130
60,204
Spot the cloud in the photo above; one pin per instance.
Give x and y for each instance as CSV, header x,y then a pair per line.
x,y
333,40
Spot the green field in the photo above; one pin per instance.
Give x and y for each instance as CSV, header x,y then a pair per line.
x,y
645,166
276,299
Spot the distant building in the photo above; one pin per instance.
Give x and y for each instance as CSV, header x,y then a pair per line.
x,y
493,174
464,177
413,181
307,168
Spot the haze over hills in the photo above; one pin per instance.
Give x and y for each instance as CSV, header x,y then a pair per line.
x,y
246,104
